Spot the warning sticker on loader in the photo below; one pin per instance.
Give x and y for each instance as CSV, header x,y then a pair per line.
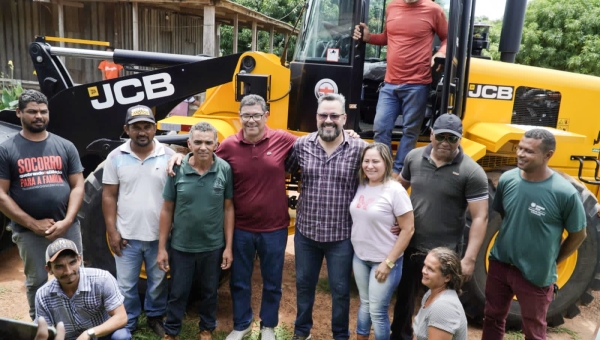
x,y
93,91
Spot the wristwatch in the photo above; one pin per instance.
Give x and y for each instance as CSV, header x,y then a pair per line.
x,y
91,333
390,263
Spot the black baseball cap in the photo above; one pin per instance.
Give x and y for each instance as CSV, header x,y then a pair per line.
x,y
448,123
139,113
56,247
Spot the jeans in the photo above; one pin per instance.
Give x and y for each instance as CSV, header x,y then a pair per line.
x,y
270,248
207,268
502,283
129,265
32,249
375,297
119,334
408,100
407,292
309,258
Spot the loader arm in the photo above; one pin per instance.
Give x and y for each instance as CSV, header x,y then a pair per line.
x,y
92,115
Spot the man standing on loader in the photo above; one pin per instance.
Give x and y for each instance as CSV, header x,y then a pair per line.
x,y
41,185
408,33
537,205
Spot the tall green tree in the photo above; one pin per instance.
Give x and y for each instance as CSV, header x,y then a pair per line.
x,y
562,35
284,10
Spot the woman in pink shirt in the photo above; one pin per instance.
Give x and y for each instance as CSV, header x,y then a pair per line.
x,y
379,202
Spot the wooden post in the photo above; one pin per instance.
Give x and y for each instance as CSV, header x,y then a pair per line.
x,y
285,39
135,38
254,35
235,32
218,39
271,34
61,27
208,31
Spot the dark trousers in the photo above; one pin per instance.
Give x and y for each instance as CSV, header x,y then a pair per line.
x,y
207,268
407,292
503,282
270,248
309,258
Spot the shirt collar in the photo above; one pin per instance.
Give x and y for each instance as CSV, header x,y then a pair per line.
x,y
457,159
159,149
240,136
188,170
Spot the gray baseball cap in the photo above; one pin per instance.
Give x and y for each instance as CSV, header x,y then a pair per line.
x,y
448,123
139,113
56,247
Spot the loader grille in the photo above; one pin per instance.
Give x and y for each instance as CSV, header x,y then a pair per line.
x,y
492,162
537,107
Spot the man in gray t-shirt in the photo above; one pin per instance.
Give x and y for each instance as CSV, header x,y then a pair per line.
x,y
41,185
445,183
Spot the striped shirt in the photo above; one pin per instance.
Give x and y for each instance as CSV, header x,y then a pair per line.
x,y
327,188
96,295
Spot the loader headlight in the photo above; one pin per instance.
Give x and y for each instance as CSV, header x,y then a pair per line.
x,y
248,64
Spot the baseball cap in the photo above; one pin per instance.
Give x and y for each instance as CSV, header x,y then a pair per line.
x,y
56,247
449,123
139,113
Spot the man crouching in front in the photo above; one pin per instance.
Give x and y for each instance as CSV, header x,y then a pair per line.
x,y
86,300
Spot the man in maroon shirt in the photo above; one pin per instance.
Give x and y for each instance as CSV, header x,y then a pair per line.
x,y
257,157
409,30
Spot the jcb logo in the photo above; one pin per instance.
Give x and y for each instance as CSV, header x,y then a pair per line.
x,y
153,86
491,91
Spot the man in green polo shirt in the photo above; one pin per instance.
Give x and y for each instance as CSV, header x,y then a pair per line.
x,y
536,205
198,212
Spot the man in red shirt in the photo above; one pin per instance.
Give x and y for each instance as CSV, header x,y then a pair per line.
x,y
109,69
257,157
410,27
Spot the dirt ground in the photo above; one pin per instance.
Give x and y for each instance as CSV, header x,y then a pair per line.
x,y
13,302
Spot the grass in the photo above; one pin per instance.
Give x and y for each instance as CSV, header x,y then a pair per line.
x,y
4,290
564,330
512,335
190,329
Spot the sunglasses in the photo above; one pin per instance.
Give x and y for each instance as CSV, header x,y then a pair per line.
x,y
333,117
452,139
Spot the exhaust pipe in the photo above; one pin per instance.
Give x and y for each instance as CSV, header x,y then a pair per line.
x,y
512,29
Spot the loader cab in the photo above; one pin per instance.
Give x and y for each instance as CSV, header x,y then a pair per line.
x,y
328,60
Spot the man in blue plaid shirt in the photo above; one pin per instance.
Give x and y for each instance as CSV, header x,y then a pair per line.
x,y
86,300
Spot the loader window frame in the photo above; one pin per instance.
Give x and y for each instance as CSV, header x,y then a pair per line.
x,y
327,25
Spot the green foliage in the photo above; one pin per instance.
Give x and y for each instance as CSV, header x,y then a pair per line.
x,y
562,35
11,90
283,10
495,30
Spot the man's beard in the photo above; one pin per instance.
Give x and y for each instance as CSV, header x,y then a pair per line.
x,y
35,129
329,137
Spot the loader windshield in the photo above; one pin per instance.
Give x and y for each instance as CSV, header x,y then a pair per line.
x,y
326,32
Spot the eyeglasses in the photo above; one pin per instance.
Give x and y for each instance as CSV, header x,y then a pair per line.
x,y
255,117
452,139
333,117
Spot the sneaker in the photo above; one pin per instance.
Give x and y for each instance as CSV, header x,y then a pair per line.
x,y
156,325
170,337
205,335
267,333
301,337
239,335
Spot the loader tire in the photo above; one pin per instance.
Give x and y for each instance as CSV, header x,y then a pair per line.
x,y
96,253
584,277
